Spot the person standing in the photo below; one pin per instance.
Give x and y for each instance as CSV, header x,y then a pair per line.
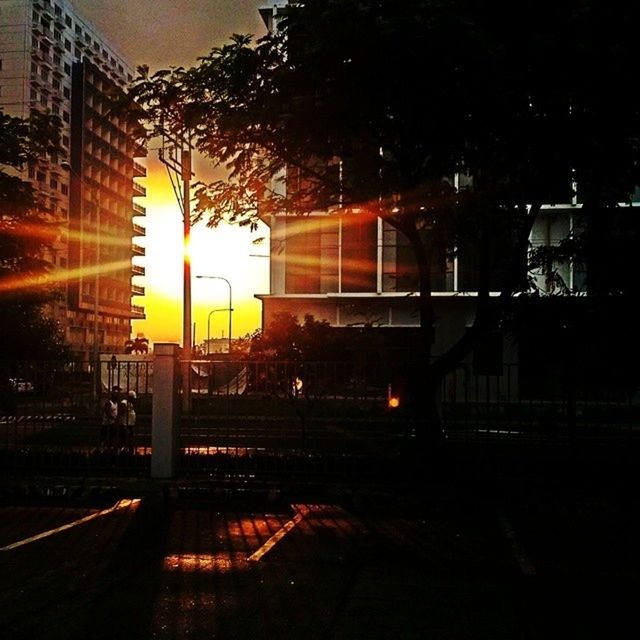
x,y
109,418
127,420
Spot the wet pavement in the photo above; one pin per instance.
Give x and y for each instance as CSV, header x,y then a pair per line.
x,y
541,556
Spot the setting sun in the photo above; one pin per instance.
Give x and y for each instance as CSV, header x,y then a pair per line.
x,y
226,251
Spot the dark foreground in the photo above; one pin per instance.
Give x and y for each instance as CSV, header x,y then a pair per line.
x,y
526,548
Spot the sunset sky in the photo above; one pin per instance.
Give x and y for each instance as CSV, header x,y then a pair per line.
x,y
162,33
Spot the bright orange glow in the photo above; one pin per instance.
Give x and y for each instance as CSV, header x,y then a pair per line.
x,y
224,251
303,511
47,233
18,283
190,562
393,402
130,504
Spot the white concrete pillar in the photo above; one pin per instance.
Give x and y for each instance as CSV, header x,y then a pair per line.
x,y
165,416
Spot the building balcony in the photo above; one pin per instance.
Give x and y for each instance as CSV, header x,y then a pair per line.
x,y
139,210
137,270
47,36
137,250
137,312
137,290
139,190
139,230
139,170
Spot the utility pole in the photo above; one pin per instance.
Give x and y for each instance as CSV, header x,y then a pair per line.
x,y
186,301
175,153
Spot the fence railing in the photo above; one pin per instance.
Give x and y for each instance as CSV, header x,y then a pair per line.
x,y
51,415
266,414
487,406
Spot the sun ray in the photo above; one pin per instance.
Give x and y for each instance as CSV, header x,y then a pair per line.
x,y
34,281
44,232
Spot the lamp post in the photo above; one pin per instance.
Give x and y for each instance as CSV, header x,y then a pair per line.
x,y
230,307
209,328
96,282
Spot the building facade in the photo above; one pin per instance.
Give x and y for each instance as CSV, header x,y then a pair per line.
x,y
353,269
564,341
55,61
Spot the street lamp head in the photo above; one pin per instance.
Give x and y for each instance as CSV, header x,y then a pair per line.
x,y
230,308
65,165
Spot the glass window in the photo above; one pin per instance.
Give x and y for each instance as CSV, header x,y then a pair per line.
x,y
359,253
329,248
399,270
302,257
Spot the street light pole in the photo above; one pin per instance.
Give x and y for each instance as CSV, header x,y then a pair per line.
x,y
209,329
230,304
175,153
186,188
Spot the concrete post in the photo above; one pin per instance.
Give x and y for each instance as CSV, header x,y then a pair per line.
x,y
165,414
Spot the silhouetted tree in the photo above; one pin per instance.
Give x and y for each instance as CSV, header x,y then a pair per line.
x,y
140,345
374,105
27,228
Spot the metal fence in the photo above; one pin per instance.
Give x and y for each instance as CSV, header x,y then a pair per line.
x,y
264,417
506,405
51,414
266,414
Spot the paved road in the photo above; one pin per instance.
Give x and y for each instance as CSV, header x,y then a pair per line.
x,y
533,560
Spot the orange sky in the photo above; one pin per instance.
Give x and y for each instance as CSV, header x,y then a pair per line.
x,y
164,33
225,251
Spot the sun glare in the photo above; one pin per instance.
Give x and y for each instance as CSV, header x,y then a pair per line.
x,y
224,251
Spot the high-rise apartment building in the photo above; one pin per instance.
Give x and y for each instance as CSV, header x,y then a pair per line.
x,y
54,60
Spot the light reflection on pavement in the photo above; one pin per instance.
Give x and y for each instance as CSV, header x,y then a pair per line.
x,y
191,568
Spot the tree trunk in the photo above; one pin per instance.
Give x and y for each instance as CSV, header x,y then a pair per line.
x,y
422,388
424,376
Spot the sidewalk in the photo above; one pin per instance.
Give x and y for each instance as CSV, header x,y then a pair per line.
x,y
527,552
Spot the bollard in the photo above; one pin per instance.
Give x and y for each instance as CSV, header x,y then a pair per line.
x,y
165,411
